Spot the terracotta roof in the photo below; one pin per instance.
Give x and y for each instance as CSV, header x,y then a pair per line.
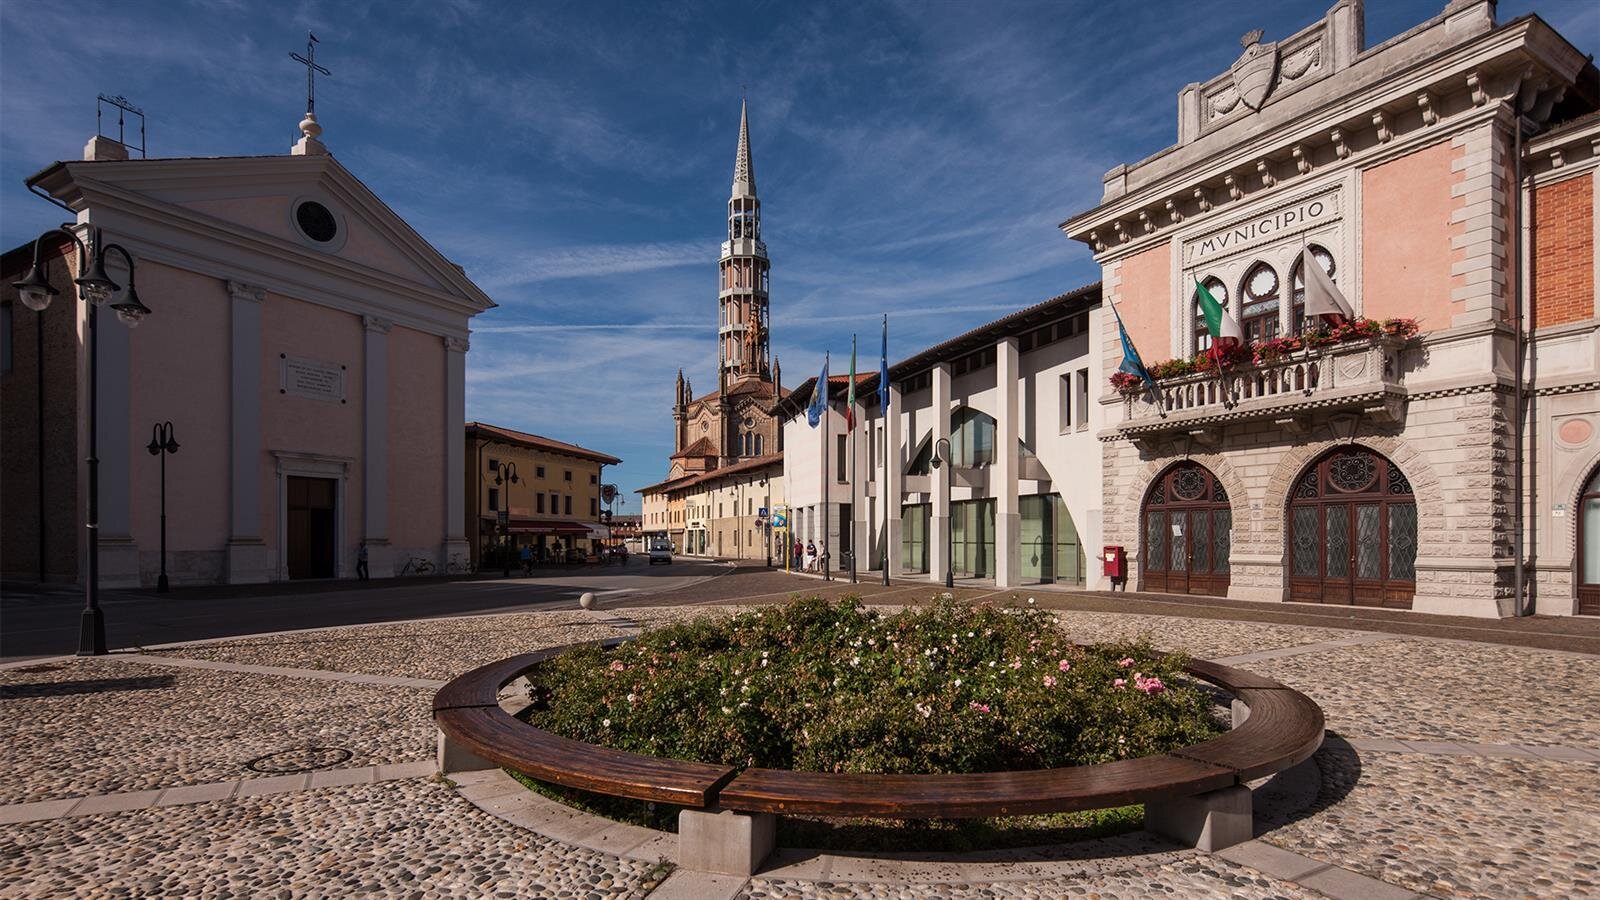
x,y
537,442
753,386
684,481
701,447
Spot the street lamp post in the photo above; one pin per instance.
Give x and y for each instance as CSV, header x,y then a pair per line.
x,y
766,503
949,524
96,288
505,473
163,444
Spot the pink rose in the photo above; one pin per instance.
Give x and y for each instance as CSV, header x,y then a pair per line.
x,y
1049,681
1151,685
1125,662
1065,666
617,666
980,707
1120,682
1016,664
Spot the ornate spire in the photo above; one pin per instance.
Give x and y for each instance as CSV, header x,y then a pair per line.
x,y
744,174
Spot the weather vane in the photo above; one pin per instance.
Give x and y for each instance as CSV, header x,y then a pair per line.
x,y
310,62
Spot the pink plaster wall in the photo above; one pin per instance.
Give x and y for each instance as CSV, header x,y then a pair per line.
x,y
365,243
1144,293
416,439
177,356
302,424
1405,250
266,214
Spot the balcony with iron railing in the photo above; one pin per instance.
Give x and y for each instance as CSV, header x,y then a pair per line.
x,y
1365,376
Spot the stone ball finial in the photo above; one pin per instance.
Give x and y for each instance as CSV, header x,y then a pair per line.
x,y
1251,37
309,126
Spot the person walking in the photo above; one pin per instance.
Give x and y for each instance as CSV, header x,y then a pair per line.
x,y
811,556
527,559
799,554
361,562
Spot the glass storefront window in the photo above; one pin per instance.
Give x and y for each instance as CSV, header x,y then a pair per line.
x,y
972,537
914,538
971,438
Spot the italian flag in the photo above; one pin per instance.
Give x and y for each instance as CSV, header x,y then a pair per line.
x,y
850,399
1225,331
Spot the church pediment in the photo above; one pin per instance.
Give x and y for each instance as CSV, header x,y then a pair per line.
x,y
308,214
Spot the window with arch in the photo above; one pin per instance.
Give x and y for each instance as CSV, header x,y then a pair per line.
x,y
922,463
758,445
1297,307
971,438
1588,561
1219,292
1259,317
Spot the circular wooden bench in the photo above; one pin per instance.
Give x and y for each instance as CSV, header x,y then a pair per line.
x,y
1196,795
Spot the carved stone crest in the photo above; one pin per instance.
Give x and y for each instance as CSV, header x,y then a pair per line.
x,y
1255,73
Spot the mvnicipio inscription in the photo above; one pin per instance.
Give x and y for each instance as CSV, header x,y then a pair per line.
x,y
1291,219
313,379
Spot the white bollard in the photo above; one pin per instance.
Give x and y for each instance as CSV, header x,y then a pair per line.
x,y
586,601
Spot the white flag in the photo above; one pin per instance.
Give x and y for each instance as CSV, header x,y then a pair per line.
x,y
1322,295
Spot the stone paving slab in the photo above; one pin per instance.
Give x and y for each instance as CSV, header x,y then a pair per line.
x,y
1454,825
433,649
404,838
101,726
1412,690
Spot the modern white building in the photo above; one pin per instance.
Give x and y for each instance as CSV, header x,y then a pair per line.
x,y
992,459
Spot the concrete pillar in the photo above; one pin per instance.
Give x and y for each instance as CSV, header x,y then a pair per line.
x,y
249,560
1007,517
893,485
1211,821
375,451
453,757
939,520
725,842
861,453
455,448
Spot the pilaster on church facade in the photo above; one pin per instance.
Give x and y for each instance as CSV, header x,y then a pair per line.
x,y
1382,471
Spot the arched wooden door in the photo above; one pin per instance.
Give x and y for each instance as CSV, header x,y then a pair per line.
x,y
1353,532
1188,531
1589,548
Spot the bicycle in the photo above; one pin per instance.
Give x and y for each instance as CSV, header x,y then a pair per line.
x,y
418,565
459,566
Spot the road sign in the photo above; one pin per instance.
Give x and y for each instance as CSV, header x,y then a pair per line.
x,y
503,517
761,513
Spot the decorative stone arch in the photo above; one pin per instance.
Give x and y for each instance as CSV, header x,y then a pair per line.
x,y
1573,491
1139,488
1424,486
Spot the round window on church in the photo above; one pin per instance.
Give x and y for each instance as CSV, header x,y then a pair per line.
x,y
316,221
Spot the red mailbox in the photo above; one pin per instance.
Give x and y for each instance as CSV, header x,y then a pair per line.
x,y
1115,561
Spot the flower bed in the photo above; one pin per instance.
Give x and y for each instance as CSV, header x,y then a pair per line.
x,y
835,687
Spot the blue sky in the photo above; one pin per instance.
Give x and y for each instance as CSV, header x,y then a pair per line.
x,y
575,157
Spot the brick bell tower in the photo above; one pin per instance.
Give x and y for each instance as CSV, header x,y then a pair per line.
x,y
742,316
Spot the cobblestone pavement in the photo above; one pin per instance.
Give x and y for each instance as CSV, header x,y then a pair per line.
x,y
1456,826
403,839
1427,690
1440,825
99,725
1197,876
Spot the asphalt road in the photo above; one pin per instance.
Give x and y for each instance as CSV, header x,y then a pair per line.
x,y
46,623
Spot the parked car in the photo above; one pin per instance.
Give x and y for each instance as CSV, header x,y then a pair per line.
x,y
661,551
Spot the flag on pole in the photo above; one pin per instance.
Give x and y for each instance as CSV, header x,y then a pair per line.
x,y
1131,363
850,398
1224,328
819,396
1322,295
883,370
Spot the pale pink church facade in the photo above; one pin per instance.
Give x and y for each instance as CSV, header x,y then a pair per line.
x,y
308,345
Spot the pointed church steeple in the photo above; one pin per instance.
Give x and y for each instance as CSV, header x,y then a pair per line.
x,y
742,320
744,173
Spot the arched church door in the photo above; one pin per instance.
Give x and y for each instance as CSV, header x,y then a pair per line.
x,y
1589,548
1353,532
1188,530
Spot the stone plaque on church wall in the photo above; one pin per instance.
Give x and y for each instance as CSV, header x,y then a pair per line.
x,y
313,379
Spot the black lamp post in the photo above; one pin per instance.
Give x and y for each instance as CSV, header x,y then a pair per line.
x,y
162,443
949,525
504,473
96,288
766,503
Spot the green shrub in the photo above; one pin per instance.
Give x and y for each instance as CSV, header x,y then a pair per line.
x,y
835,687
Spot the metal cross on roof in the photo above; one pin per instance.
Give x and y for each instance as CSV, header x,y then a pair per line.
x,y
310,62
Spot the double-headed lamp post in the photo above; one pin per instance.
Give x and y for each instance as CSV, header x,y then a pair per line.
x,y
505,473
949,525
97,289
162,444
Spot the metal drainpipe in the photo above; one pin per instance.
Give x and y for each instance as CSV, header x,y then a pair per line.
x,y
1519,579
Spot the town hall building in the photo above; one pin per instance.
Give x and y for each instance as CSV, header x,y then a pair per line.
x,y
1440,451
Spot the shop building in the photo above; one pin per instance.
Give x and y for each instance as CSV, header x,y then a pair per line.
x,y
1445,177
552,505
